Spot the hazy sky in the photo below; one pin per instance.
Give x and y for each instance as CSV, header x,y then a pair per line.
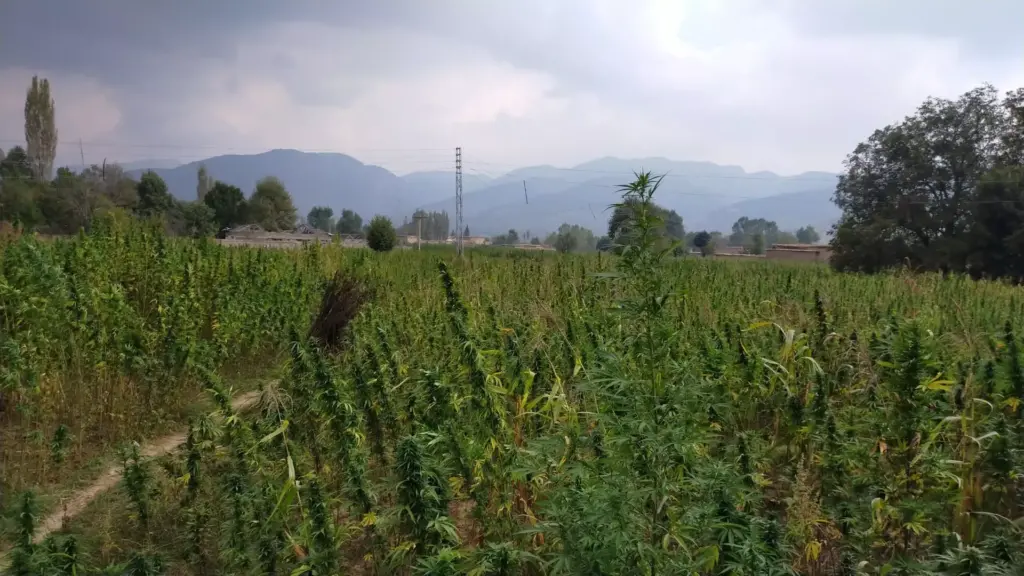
x,y
785,85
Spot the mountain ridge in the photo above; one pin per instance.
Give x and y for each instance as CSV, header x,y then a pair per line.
x,y
705,194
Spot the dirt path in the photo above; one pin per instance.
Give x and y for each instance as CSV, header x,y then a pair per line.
x,y
75,503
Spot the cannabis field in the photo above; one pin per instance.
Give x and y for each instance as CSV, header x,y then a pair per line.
x,y
506,413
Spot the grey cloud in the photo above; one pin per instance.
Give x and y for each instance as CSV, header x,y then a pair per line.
x,y
160,59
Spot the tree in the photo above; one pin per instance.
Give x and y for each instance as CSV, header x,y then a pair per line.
x,y
671,227
203,183
757,244
15,165
465,232
565,243
512,237
433,225
604,244
908,194
40,129
196,219
154,199
535,241
18,203
745,229
321,218
996,236
113,184
583,239
271,205
228,205
807,235
704,242
350,223
69,203
381,235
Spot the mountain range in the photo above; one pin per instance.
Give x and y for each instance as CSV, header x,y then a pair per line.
x,y
536,199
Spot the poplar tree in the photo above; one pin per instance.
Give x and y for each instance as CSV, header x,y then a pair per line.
x,y
40,129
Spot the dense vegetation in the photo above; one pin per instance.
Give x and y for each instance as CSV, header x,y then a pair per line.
x,y
103,336
941,190
526,414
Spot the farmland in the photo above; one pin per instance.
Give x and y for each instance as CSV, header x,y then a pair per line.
x,y
506,413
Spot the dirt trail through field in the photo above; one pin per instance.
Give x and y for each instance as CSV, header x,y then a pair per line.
x,y
74,504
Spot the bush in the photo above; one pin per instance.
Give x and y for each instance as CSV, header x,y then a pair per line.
x,y
380,235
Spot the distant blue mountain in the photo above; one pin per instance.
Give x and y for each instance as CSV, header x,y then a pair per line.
x,y
707,195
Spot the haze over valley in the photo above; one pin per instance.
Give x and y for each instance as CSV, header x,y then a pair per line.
x,y
707,195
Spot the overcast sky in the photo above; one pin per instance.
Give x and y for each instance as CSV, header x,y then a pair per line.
x,y
783,85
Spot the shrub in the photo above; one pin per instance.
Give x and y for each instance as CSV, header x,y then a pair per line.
x,y
380,235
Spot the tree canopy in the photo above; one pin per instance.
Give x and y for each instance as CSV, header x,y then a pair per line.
x,y
938,190
271,206
154,199
381,235
228,204
671,223
572,238
807,235
349,223
40,129
321,218
435,225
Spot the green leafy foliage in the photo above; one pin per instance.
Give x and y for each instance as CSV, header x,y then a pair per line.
x,y
561,414
939,190
349,223
228,204
321,218
380,235
271,206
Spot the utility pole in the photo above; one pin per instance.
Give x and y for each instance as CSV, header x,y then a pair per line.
x,y
418,217
81,152
458,201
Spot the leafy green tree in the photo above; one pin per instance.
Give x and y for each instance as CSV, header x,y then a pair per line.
x,y
604,244
15,165
381,235
271,205
204,182
154,199
909,193
511,237
670,223
583,239
349,223
807,235
466,231
71,201
112,184
996,236
321,218
196,219
228,204
18,203
565,243
704,242
535,241
435,225
40,129
757,244
745,229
